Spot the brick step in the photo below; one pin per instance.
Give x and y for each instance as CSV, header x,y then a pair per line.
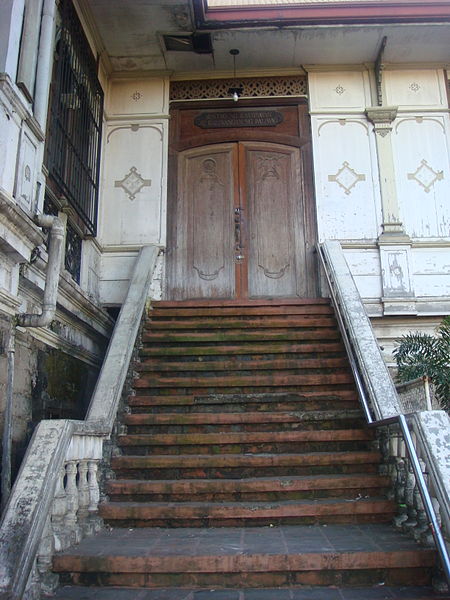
x,y
158,404
252,489
207,466
245,348
255,558
293,364
245,390
213,323
247,514
245,381
240,302
245,442
242,403
210,422
293,593
156,312
299,418
237,335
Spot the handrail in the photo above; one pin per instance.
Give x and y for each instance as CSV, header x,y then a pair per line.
x,y
324,251
30,502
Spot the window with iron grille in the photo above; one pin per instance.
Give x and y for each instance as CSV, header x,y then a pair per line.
x,y
75,120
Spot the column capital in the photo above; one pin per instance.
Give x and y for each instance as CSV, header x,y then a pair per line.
x,y
382,117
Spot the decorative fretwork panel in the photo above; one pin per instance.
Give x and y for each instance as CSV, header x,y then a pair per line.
x,y
253,87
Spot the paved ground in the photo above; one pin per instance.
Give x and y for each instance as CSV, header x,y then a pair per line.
x,y
230,541
284,539
375,593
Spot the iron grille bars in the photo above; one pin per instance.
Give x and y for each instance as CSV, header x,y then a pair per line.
x,y
75,119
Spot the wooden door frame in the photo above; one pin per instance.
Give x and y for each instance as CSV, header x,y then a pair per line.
x,y
303,141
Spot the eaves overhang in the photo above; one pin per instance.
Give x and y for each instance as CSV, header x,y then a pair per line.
x,y
244,14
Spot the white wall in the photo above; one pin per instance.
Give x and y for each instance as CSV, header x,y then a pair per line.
x,y
134,178
409,273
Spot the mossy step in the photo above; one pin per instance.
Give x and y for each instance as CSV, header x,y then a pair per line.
x,y
188,514
245,348
237,335
244,365
335,435
156,312
297,417
259,380
164,461
188,488
238,399
242,323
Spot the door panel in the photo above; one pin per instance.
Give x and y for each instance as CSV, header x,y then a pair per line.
x,y
240,222
203,256
273,196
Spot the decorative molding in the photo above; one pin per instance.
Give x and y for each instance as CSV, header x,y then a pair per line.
x,y
415,87
136,96
426,176
346,178
339,90
253,87
132,183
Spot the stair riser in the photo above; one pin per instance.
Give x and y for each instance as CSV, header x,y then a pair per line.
x,y
255,522
235,427
244,349
332,404
276,448
345,577
214,381
281,496
249,322
241,472
290,388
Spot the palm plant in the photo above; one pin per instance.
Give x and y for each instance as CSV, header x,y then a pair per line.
x,y
420,354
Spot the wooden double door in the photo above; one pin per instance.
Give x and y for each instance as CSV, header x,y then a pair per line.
x,y
239,223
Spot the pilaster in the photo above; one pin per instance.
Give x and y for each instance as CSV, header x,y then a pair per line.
x,y
394,245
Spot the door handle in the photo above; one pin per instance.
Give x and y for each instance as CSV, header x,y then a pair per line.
x,y
238,234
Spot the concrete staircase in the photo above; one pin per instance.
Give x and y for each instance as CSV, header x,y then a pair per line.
x,y
246,468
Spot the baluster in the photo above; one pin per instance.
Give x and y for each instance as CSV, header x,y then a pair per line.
x,y
411,522
421,531
72,501
83,496
400,485
94,495
59,510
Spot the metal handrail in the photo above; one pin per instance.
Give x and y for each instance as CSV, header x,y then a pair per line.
x,y
400,419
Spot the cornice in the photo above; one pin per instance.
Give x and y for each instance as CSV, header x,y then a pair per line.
x,y
15,218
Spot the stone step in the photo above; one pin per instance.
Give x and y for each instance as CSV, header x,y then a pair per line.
x,y
256,489
156,312
210,422
238,335
206,466
250,364
244,348
275,402
276,380
268,322
245,442
239,303
284,556
247,514
378,591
